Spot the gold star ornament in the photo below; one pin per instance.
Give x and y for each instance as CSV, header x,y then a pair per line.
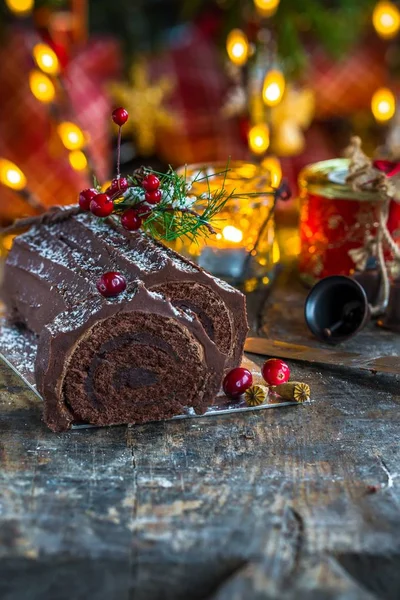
x,y
144,102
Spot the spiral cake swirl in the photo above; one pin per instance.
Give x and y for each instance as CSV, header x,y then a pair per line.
x,y
108,362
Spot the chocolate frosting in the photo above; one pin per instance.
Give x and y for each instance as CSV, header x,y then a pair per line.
x,y
56,264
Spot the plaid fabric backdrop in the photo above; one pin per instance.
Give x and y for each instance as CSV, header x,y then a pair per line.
x,y
345,87
28,130
201,86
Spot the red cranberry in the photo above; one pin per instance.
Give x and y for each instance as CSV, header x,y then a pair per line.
x,y
119,184
237,381
151,183
101,205
144,211
153,197
275,371
130,220
85,198
120,116
111,284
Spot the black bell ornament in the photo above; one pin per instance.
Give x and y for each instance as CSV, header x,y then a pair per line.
x,y
336,309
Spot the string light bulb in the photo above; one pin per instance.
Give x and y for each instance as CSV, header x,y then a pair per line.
x,y
273,87
46,59
78,160
11,175
41,86
383,104
232,234
71,135
237,47
259,138
20,7
386,19
266,8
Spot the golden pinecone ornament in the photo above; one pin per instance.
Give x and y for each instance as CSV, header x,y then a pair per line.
x,y
256,395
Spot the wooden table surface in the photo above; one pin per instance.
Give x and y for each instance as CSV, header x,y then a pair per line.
x,y
296,502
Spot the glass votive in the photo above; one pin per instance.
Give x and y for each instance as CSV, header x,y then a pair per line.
x,y
244,250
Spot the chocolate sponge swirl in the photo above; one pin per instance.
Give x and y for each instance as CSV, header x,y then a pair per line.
x,y
52,267
128,360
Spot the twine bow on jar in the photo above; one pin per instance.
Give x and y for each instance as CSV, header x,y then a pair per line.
x,y
382,177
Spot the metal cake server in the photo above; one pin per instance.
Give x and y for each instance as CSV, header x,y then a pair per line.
x,y
322,356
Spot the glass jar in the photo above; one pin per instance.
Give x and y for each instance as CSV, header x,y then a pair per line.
x,y
244,250
335,219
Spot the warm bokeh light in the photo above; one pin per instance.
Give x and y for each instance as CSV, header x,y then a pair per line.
x,y
383,104
273,166
289,139
273,87
237,47
41,86
46,59
78,160
106,185
386,19
20,7
232,234
11,175
259,138
71,135
266,8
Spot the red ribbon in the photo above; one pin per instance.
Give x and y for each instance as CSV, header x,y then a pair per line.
x,y
388,167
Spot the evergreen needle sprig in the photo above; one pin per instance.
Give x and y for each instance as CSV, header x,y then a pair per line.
x,y
176,214
174,211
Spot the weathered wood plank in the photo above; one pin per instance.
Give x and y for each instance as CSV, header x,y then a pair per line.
x,y
269,504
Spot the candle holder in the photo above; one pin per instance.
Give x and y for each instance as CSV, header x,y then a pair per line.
x,y
244,251
336,221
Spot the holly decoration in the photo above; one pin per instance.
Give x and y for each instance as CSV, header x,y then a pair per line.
x,y
151,183
118,185
85,198
120,116
275,371
111,284
101,205
131,220
236,382
160,203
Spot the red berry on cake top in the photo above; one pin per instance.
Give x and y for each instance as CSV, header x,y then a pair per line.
x,y
153,197
131,220
85,198
143,211
119,184
275,371
150,183
237,381
101,205
120,116
111,284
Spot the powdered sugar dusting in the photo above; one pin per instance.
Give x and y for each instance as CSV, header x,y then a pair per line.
x,y
136,248
19,347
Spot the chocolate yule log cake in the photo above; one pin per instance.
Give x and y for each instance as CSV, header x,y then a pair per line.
x,y
127,330
52,266
158,348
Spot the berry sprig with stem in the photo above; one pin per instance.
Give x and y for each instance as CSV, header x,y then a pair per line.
x,y
158,203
